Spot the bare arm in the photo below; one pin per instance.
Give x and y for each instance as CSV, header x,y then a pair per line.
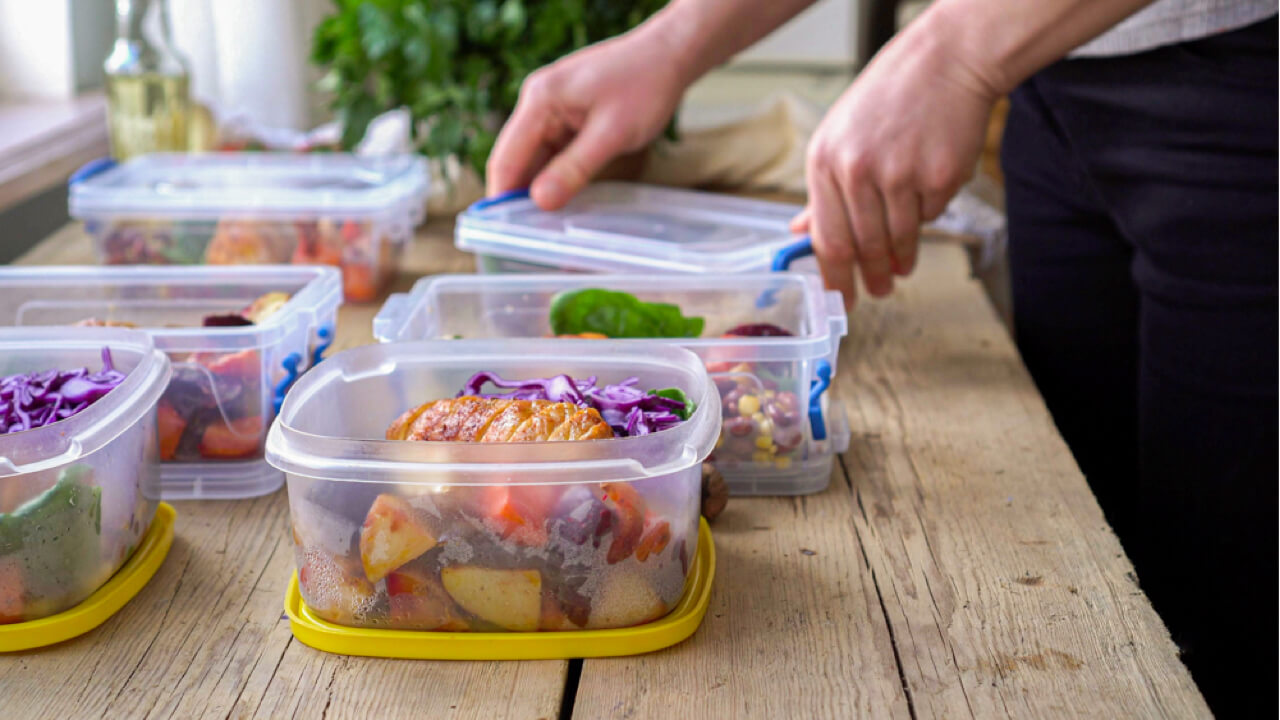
x,y
580,112
905,136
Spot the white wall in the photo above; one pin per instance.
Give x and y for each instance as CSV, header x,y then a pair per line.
x,y
35,49
827,34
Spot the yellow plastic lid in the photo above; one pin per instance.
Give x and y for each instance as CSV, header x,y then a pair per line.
x,y
679,624
106,600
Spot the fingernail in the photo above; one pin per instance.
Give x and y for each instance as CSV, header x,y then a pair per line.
x,y
548,193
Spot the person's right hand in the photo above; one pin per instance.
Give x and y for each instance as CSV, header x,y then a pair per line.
x,y
582,111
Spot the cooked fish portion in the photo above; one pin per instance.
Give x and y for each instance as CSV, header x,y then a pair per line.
x,y
476,419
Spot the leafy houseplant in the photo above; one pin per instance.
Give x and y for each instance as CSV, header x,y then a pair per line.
x,y
456,65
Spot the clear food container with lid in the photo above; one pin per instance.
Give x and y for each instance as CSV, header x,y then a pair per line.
x,y
77,495
337,209
228,380
623,227
780,430
491,537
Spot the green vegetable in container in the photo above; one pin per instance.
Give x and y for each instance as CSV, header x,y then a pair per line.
x,y
619,315
55,537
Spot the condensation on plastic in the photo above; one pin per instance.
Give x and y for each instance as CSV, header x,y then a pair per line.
x,y
154,298
517,306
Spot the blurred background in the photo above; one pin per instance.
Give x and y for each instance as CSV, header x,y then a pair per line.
x,y
437,76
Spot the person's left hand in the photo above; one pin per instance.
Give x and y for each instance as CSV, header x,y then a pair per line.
x,y
889,155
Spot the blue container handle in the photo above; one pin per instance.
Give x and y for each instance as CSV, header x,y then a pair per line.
x,y
326,339
822,369
781,262
91,168
784,257
486,203
290,364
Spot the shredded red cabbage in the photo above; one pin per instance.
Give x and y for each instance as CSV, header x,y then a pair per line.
x,y
628,409
34,400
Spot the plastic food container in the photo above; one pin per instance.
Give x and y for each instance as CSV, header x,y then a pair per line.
x,y
619,227
780,434
78,495
227,381
256,209
488,537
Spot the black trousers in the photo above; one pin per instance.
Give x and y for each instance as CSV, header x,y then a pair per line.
x,y
1142,196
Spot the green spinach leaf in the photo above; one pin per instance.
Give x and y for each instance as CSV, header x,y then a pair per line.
x,y
619,315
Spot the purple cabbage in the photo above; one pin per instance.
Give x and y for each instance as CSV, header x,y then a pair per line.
x,y
628,409
34,400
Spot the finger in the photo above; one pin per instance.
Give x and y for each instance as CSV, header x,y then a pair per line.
x,y
799,224
569,171
521,149
903,210
866,209
832,240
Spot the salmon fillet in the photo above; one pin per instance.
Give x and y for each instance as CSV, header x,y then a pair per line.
x,y
476,419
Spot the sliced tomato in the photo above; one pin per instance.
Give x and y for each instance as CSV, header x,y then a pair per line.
x,y
240,439
170,426
519,512
245,364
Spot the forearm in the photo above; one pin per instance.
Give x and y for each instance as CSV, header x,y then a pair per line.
x,y
1003,42
702,34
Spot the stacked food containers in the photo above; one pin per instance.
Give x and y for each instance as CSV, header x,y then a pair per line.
x,y
780,434
395,538
256,209
77,496
227,380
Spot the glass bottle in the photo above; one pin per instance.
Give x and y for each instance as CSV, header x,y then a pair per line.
x,y
148,95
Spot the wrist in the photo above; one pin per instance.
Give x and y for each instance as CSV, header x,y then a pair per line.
x,y
680,36
963,47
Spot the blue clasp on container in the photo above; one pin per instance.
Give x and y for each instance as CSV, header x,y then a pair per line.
x,y
290,364
91,168
819,385
293,359
485,203
782,262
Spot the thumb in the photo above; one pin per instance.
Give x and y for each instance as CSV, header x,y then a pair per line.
x,y
568,172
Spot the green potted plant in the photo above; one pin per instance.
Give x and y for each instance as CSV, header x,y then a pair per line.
x,y
456,65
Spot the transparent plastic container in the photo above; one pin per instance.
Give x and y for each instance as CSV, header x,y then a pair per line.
x,y
488,537
227,381
618,227
780,434
76,496
336,209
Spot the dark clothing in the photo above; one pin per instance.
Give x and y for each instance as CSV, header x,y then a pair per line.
x,y
1144,237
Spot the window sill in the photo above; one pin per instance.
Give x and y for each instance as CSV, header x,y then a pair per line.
x,y
43,142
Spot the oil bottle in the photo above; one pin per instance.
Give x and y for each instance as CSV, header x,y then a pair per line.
x,y
148,94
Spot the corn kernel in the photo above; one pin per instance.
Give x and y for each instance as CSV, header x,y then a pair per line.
x,y
761,456
783,462
748,405
764,442
769,394
720,442
764,426
758,417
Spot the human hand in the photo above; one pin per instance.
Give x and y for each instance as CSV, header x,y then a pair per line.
x,y
889,155
582,111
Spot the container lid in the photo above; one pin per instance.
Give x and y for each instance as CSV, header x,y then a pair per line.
x,y
334,419
106,600
251,185
679,624
39,349
616,227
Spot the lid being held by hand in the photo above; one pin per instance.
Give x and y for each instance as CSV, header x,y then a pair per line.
x,y
620,227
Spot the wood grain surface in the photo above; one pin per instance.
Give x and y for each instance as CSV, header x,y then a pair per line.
x,y
957,566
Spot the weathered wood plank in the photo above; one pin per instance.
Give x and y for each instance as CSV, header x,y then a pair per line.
x,y
1006,590
794,629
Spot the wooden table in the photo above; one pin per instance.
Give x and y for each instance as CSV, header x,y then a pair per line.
x,y
957,566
